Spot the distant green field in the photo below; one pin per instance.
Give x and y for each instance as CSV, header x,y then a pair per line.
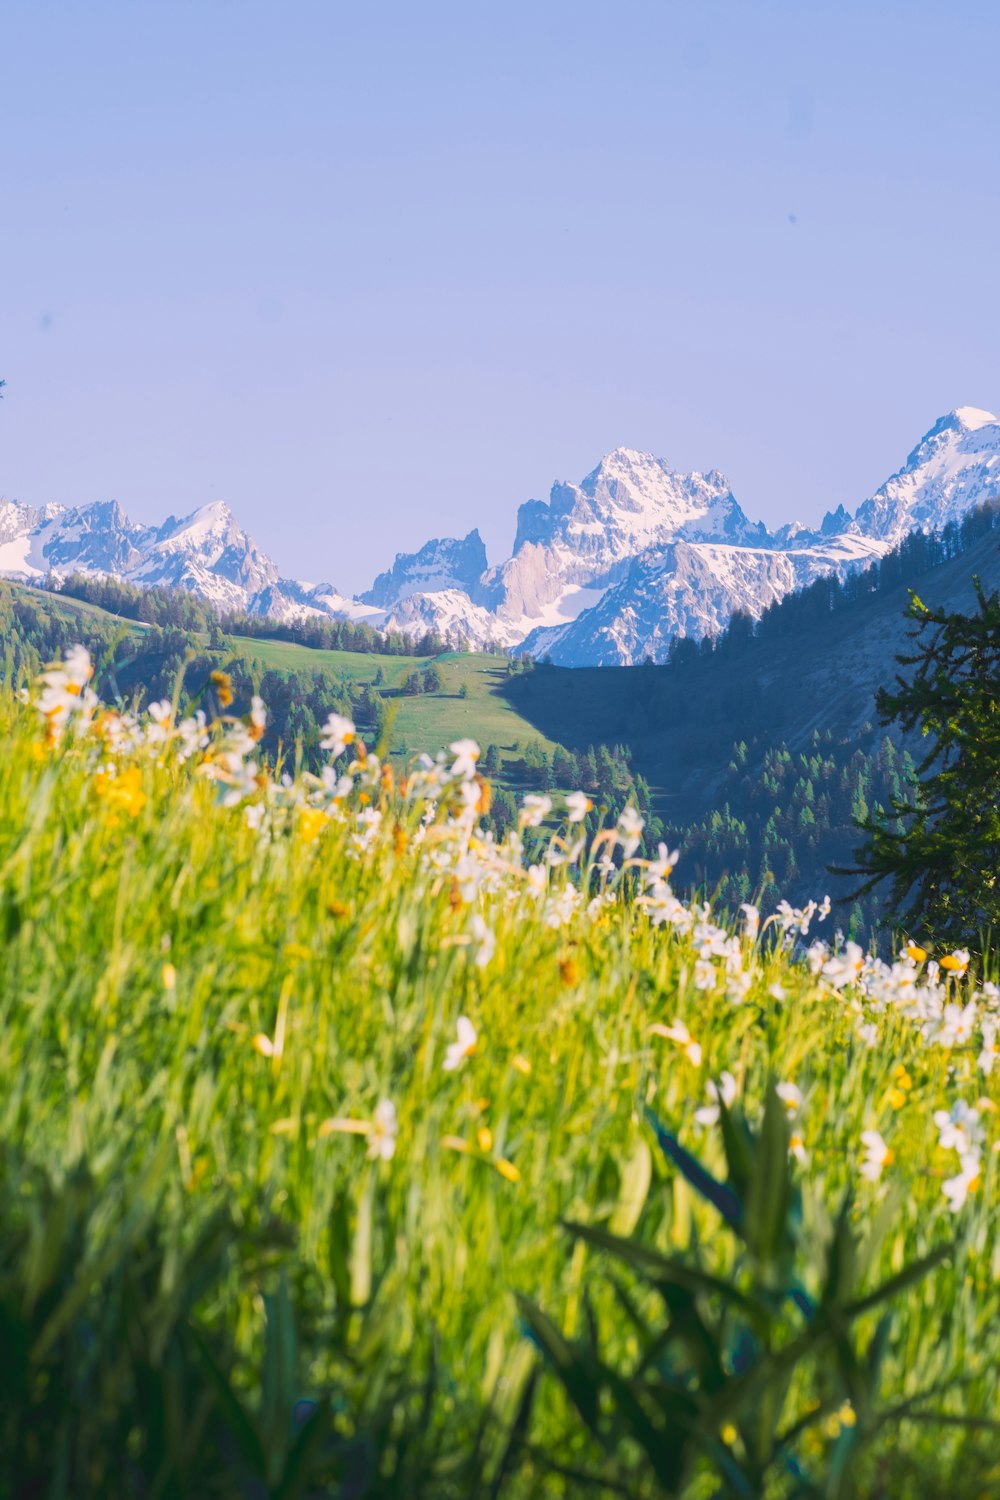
x,y
425,721
422,721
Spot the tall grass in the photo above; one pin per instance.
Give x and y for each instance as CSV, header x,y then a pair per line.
x,y
219,1275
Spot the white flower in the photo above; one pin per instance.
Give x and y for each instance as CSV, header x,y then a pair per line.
x,y
958,1129
751,919
988,1055
682,1038
159,720
459,1050
957,1189
466,753
704,974
868,1033
877,1155
843,968
790,1096
630,827
957,1025
338,733
662,867
578,805
485,940
385,1128
725,1090
534,810
797,1148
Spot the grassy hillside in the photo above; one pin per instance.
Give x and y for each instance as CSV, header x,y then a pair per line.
x,y
267,1201
425,721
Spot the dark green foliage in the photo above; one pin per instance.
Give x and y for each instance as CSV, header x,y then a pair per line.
x,y
115,1380
783,820
940,849
733,1372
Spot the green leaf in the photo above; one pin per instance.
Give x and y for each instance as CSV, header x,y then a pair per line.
x,y
914,1272
636,1176
578,1380
238,1423
721,1196
667,1269
769,1192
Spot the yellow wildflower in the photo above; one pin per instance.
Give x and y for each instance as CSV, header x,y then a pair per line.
x,y
223,688
311,821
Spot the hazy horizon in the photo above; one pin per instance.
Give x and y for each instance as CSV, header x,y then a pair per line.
x,y
370,277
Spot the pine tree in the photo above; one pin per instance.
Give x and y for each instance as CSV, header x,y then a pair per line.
x,y
941,849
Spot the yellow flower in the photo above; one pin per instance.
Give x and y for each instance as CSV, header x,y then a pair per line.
x,y
311,821
955,963
897,1098
122,793
568,971
223,688
484,1136
915,952
169,977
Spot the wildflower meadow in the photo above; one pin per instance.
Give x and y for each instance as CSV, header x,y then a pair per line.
x,y
348,1150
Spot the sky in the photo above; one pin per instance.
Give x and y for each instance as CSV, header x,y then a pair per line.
x,y
375,273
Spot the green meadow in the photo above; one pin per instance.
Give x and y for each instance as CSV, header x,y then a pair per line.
x,y
303,1087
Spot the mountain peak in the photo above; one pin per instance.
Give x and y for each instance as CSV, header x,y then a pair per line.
x,y
973,417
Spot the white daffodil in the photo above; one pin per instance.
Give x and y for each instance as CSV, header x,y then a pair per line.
x,y
338,733
535,809
725,1090
630,827
385,1129
485,940
464,1047
662,867
844,968
704,974
791,1098
466,753
751,919
682,1039
959,1129
957,1025
877,1155
578,805
957,1189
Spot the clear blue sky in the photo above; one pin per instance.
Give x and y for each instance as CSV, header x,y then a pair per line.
x,y
374,272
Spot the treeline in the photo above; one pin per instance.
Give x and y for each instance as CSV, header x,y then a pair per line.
x,y
178,610
782,820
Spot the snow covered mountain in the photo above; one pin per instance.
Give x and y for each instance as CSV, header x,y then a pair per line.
x,y
606,571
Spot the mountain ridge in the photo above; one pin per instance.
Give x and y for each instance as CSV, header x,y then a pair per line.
x,y
607,571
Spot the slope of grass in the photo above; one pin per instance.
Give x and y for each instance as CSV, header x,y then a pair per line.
x,y
228,1002
421,721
